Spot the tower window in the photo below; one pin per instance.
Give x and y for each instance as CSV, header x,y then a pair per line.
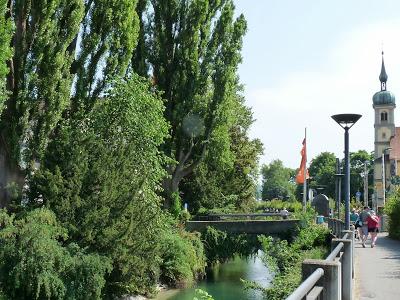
x,y
384,135
384,116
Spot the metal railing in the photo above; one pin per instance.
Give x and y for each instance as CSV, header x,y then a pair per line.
x,y
332,278
217,217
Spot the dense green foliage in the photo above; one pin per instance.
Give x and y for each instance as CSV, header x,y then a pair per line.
x,y
5,50
39,80
284,258
276,204
108,38
220,246
322,171
323,168
216,184
92,148
100,178
183,258
65,53
392,209
357,160
202,295
193,54
277,181
38,261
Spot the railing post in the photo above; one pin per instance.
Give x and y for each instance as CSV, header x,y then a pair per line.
x,y
347,267
334,227
331,281
352,237
337,227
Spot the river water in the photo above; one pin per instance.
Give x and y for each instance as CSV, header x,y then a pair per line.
x,y
223,281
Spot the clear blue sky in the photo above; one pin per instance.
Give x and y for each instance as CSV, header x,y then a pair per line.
x,y
304,61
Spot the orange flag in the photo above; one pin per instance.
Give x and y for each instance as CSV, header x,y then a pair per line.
x,y
300,174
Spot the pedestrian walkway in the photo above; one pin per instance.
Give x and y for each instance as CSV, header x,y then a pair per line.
x,y
377,270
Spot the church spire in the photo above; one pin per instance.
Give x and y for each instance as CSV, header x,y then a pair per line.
x,y
383,76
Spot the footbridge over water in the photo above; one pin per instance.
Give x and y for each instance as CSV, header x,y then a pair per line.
x,y
245,226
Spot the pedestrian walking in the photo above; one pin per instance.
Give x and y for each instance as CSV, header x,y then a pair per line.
x,y
354,217
364,229
373,227
284,213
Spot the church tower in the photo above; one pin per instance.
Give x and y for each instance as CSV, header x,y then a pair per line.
x,y
384,104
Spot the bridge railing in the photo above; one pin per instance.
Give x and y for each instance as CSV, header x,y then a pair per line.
x,y
218,217
332,278
335,225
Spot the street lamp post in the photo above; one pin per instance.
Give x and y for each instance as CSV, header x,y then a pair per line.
x,y
338,177
364,176
384,174
346,121
365,184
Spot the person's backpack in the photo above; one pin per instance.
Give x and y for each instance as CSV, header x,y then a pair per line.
x,y
375,220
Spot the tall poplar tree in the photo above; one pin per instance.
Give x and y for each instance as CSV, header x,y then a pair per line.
x,y
226,179
108,36
64,52
39,80
5,49
193,55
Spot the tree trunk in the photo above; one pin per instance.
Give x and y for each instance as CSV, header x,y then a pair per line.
x,y
10,173
170,186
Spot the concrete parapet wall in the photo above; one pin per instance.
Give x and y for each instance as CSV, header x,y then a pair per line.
x,y
249,227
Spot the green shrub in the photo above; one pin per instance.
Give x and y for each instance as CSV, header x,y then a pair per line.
x,y
176,201
292,206
101,175
34,264
392,209
229,209
182,258
202,295
285,283
284,258
278,254
314,235
220,246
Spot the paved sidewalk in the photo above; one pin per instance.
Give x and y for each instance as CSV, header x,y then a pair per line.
x,y
377,270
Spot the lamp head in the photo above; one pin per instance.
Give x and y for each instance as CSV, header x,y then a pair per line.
x,y
346,120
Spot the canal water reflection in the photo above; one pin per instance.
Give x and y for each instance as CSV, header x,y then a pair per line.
x,y
223,282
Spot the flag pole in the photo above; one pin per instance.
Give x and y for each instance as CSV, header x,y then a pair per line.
x,y
305,172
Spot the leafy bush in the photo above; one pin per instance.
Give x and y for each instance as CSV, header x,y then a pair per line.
x,y
285,258
34,264
101,175
176,201
392,209
202,295
293,206
220,246
228,209
279,256
183,259
285,283
314,235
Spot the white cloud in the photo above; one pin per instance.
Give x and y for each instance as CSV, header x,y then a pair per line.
x,y
344,83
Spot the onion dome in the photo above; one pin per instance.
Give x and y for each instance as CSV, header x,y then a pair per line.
x,y
383,97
